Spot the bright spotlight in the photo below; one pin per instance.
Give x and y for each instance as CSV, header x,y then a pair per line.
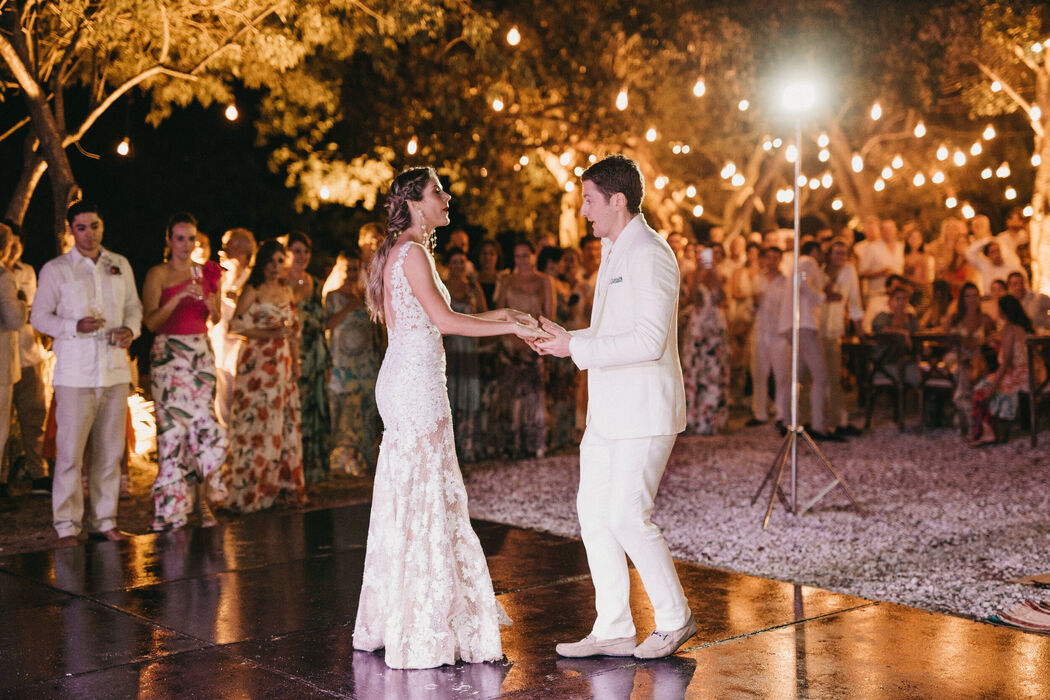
x,y
799,96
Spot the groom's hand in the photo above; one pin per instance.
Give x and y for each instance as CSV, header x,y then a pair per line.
x,y
558,344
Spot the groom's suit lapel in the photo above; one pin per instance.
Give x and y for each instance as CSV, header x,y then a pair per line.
x,y
612,263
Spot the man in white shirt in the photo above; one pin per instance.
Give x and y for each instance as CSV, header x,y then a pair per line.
x,y
987,258
238,249
12,317
1036,306
87,302
1015,234
880,256
842,292
768,347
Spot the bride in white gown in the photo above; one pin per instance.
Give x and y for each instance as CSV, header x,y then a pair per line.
x,y
426,597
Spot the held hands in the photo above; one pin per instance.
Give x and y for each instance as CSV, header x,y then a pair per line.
x,y
515,316
556,344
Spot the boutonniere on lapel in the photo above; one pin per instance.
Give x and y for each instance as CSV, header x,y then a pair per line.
x,y
114,270
616,280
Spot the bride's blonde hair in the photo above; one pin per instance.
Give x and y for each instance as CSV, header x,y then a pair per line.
x,y
406,187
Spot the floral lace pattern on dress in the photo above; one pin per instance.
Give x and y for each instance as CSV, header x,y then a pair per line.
x,y
426,596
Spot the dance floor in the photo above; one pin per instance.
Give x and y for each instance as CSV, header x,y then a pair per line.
x,y
265,608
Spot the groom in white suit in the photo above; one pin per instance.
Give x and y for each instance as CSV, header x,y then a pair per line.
x,y
636,407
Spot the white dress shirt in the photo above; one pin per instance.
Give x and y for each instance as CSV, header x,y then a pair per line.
x,y
986,269
877,255
810,296
70,286
32,351
833,313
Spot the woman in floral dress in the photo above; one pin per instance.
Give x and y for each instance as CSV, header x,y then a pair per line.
x,y
179,297
356,355
705,352
266,454
461,353
314,360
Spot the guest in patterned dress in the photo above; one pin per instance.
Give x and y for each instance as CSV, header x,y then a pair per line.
x,y
705,351
461,357
314,360
996,396
266,454
179,297
356,355
561,371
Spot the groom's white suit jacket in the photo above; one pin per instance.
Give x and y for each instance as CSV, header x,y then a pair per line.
x,y
630,350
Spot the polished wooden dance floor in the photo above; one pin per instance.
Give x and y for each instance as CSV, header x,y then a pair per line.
x,y
264,608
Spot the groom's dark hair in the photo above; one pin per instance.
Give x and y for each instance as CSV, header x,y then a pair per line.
x,y
618,174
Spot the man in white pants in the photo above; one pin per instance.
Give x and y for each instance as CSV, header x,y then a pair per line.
x,y
87,302
636,408
768,346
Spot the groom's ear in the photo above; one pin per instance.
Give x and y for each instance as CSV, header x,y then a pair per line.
x,y
618,200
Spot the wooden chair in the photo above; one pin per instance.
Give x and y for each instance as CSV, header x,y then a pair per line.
x,y
887,354
1038,379
932,352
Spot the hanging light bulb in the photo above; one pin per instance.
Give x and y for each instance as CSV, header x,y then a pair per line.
x,y
570,186
996,86
699,89
920,130
897,162
566,158
876,112
767,145
887,173
1037,47
802,180
524,160
826,180
513,36
1037,160
791,153
412,146
959,158
824,156
497,105
1003,170
1010,193
968,211
324,193
814,184
857,163
919,180
986,173
951,202
989,133
737,180
823,140
880,185
728,170
650,135
231,113
660,182
836,204
698,210
938,177
124,147
621,100
942,152
1027,211
1036,113
685,148
690,191
743,105
577,171
976,148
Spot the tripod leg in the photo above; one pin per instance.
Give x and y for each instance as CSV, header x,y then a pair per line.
x,y
831,469
769,474
780,473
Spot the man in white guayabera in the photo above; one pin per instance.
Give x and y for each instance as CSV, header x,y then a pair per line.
x,y
636,408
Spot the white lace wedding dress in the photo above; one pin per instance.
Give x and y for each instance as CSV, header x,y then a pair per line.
x,y
426,595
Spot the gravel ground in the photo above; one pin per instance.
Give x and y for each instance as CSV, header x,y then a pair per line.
x,y
944,526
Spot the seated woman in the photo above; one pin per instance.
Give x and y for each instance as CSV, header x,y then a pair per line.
x,y
995,396
975,330
900,321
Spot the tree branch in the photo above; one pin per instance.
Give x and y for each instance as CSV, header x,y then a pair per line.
x,y
1014,95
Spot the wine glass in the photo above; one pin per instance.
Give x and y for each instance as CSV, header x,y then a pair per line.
x,y
97,312
195,275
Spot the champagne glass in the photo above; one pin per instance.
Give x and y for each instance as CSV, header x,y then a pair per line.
x,y
195,275
98,313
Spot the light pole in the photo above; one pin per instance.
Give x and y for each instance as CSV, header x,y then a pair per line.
x,y
798,98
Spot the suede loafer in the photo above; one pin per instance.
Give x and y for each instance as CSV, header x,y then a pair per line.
x,y
592,646
660,644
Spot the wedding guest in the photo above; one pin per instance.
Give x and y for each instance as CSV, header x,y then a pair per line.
x,y
990,306
880,256
489,272
996,396
88,304
740,315
179,297
768,346
369,237
12,318
918,268
1036,306
591,250
238,250
266,459
898,320
356,355
1015,236
842,306
975,330
522,425
986,257
939,312
314,360
461,353
705,349
29,392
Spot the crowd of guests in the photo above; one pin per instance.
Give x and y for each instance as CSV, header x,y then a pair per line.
x,y
263,376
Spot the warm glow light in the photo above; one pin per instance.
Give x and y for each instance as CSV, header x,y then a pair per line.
x,y
791,153
621,100
1036,113
968,211
767,146
887,173
497,105
919,180
232,113
880,185
920,130
124,147
700,88
524,160
729,170
836,204
976,148
566,158
786,195
325,193
650,135
698,210
685,148
814,184
690,191
996,86
823,140
876,112
1003,171
570,186
989,133
1027,211
857,163
942,152
1037,47
897,162
513,36
959,158
938,177
412,146
577,171
661,182
802,180
592,158
677,148
1010,193
1037,160
826,179
986,173
824,156
737,180
951,202
743,105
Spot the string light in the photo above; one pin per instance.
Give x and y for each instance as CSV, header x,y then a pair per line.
x,y
938,177
1036,112
677,148
814,184
1027,211
1010,193
823,140
897,162
876,112
976,148
786,195
986,173
778,142
920,130
826,180
996,86
650,135
743,105
1003,171
824,156
690,191
1037,160
919,180
592,158
951,202
887,173
699,89
968,211
728,170
737,180
232,113
989,133
497,105
570,186
791,153
660,182
959,158
857,163
685,148
942,152
1037,47
524,160
698,211
880,185
513,36
566,158
621,100
577,171
412,147
836,204
124,147
767,146
802,181
325,193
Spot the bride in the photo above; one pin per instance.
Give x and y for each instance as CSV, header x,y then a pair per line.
x,y
426,596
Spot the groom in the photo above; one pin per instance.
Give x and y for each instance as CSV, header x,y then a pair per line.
x,y
635,409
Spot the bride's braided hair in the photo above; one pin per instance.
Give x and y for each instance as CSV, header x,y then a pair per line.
x,y
406,188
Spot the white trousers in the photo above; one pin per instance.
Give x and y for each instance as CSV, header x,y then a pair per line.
x,y
767,353
618,483
98,412
811,359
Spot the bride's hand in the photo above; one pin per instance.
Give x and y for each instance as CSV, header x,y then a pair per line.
x,y
527,332
515,316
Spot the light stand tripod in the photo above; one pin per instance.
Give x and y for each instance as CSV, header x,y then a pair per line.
x,y
795,99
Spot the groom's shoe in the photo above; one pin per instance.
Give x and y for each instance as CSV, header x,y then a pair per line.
x,y
592,646
660,644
